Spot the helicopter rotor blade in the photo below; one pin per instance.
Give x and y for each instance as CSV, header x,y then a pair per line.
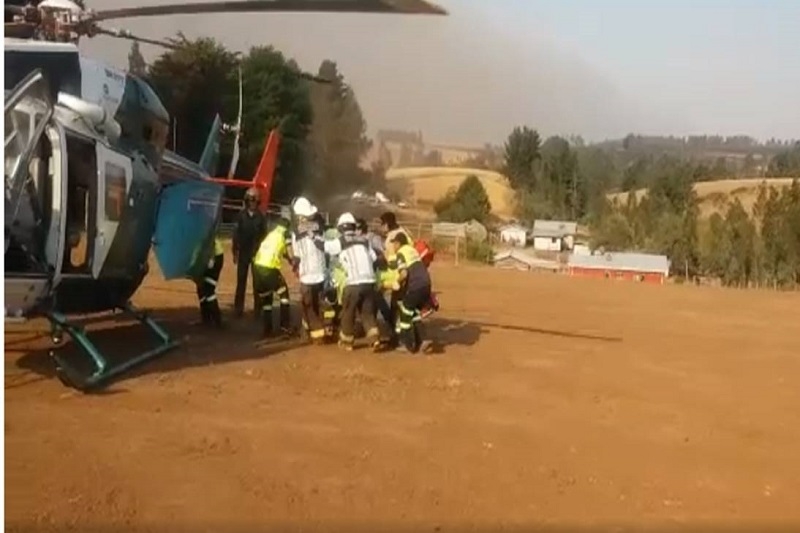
x,y
125,34
399,7
311,77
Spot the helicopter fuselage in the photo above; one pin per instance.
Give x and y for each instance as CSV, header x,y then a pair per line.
x,y
82,231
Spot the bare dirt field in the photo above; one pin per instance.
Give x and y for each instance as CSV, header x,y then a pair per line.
x,y
557,402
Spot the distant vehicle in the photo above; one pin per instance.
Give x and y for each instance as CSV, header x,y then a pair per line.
x,y
402,204
381,198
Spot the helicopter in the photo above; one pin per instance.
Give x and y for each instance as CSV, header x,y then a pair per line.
x,y
85,201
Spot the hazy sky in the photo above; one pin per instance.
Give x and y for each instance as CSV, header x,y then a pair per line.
x,y
598,68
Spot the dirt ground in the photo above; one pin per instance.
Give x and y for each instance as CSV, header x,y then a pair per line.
x,y
557,402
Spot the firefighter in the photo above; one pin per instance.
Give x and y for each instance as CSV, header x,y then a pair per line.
x,y
207,288
415,281
388,275
251,226
274,248
357,262
310,262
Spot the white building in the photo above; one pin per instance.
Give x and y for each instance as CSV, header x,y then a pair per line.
x,y
554,235
514,235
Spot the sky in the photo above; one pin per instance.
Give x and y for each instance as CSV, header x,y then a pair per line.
x,y
596,68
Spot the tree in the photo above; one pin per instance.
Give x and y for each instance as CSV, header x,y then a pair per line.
x,y
466,203
521,157
275,96
338,134
136,62
195,81
559,178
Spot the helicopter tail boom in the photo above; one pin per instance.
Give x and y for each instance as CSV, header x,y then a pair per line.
x,y
265,172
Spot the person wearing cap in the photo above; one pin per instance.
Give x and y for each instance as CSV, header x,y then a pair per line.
x,y
251,226
310,261
274,248
357,261
415,283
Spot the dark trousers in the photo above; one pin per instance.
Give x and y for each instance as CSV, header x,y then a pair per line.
x,y
358,300
270,284
207,292
311,303
244,266
409,317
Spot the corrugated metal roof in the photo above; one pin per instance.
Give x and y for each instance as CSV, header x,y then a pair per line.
x,y
554,228
521,257
513,227
622,261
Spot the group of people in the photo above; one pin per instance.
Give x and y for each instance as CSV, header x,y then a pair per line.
x,y
348,276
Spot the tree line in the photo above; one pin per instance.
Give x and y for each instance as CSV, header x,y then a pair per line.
x,y
322,127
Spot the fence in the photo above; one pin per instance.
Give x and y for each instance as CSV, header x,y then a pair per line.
x,y
450,241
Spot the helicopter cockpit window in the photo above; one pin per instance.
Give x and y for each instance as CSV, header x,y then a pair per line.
x,y
155,132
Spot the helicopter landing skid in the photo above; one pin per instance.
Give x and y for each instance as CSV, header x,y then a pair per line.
x,y
103,371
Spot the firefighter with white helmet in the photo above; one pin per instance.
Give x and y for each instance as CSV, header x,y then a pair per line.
x,y
310,264
357,262
251,227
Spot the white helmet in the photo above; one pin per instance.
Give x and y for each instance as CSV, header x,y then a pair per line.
x,y
346,218
303,208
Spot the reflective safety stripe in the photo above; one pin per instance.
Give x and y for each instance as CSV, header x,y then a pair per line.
x,y
372,332
403,309
346,338
210,281
281,290
211,298
285,301
218,249
329,314
402,326
266,308
317,333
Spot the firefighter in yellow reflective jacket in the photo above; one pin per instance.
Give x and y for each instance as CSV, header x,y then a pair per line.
x,y
275,247
414,284
207,287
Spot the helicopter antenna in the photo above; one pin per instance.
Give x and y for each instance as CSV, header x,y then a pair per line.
x,y
238,127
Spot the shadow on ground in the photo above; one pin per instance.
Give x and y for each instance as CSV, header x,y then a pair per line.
x,y
445,331
119,339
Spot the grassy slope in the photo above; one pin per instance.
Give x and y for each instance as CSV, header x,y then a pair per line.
x,y
712,194
426,185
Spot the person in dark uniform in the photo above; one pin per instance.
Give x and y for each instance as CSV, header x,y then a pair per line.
x,y
207,288
251,227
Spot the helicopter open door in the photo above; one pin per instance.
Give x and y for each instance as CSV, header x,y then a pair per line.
x,y
27,113
188,215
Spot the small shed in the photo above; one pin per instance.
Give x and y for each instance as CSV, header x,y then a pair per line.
x,y
554,235
514,234
620,265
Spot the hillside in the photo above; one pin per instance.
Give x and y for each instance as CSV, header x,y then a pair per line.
x,y
712,194
426,185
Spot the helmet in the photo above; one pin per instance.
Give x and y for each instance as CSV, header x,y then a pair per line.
x,y
303,208
251,194
345,219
